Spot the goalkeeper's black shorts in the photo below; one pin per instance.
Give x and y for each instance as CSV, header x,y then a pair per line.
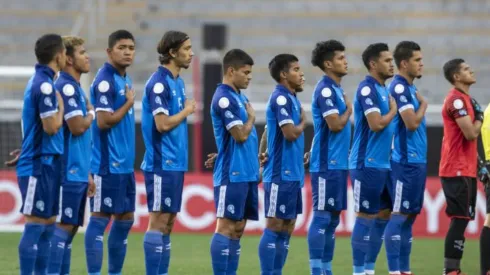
x,y
460,193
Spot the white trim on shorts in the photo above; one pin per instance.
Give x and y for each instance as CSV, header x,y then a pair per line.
x,y
220,212
357,195
60,205
98,193
321,193
31,191
157,192
398,196
273,200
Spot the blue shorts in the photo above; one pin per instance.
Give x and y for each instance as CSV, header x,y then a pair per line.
x,y
329,190
164,191
370,190
40,193
73,198
283,200
114,193
407,187
237,201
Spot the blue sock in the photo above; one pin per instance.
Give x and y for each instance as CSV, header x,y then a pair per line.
x,y
282,249
117,244
375,243
359,243
165,259
153,246
406,245
94,243
43,249
220,250
58,245
267,251
329,244
233,257
316,240
28,247
392,241
65,265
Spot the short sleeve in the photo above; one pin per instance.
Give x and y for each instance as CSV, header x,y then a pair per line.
x,y
229,111
403,98
71,101
283,110
368,100
158,99
327,101
104,93
47,102
456,107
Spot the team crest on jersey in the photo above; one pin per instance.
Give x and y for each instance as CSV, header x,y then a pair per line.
x,y
406,204
174,93
365,204
284,112
40,205
103,100
48,102
231,208
108,201
282,208
403,98
122,92
46,88
229,115
329,102
369,101
331,201
168,201
69,212
72,102
158,100
326,92
383,98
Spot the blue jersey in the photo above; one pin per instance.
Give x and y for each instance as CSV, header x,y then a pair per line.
x,y
371,149
113,149
39,102
76,155
167,151
285,157
329,150
236,162
409,146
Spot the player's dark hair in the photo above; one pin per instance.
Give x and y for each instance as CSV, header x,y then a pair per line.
x,y
236,58
47,46
404,51
281,63
171,40
325,50
119,35
372,52
451,67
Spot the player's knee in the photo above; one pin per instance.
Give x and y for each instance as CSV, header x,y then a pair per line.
x,y
68,227
128,216
169,224
334,222
289,226
225,227
384,214
101,215
365,215
239,229
458,225
34,219
275,225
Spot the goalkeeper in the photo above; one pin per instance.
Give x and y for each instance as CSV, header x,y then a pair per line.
x,y
484,175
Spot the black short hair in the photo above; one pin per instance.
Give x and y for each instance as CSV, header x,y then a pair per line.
x,y
372,52
325,50
404,51
236,58
280,63
47,46
451,67
119,35
171,40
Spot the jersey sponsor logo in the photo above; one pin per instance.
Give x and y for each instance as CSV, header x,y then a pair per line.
x,y
326,92
399,88
158,88
458,104
281,100
103,86
68,90
284,112
329,102
72,102
403,98
46,88
48,102
365,91
103,100
224,103
229,115
369,101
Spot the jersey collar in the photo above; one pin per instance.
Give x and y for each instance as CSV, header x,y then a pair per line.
x,y
228,88
45,69
329,81
372,80
282,89
164,72
68,77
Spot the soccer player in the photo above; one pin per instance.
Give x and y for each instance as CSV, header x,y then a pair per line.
x,y
113,153
236,168
39,165
283,172
329,153
485,179
164,127
369,160
78,117
408,159
462,119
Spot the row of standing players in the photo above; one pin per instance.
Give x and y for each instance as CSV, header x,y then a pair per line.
x,y
56,137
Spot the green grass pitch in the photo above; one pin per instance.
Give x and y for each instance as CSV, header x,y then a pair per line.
x,y
190,255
